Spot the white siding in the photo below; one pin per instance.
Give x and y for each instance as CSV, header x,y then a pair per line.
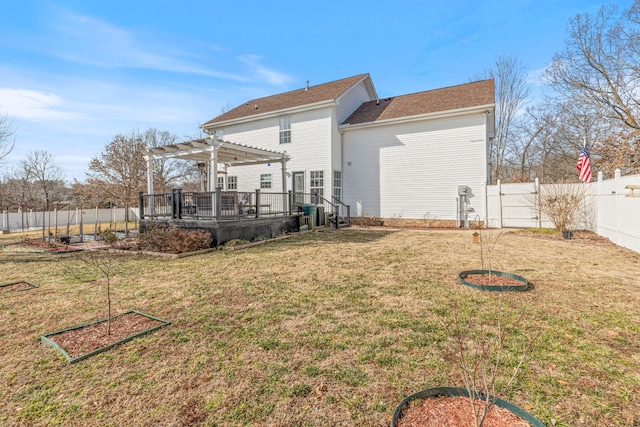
x,y
347,104
413,170
351,100
310,149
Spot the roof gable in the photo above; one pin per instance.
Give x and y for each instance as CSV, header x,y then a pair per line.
x,y
296,98
468,95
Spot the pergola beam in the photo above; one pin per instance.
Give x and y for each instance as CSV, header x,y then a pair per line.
x,y
213,151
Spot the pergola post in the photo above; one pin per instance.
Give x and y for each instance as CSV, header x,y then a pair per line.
x,y
285,199
212,183
149,175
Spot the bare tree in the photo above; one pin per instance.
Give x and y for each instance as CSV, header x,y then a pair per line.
x,y
6,136
119,172
600,65
533,131
40,168
512,92
96,265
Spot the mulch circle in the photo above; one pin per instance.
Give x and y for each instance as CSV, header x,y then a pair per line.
x,y
492,280
454,411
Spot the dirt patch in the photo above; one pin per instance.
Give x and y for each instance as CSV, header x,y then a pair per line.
x,y
579,236
447,411
77,342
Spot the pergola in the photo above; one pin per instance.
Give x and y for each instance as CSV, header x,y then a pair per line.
x,y
212,152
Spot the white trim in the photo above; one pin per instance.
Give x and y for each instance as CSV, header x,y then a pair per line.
x,y
270,114
371,90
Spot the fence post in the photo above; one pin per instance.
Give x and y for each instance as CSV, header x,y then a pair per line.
x,y
598,197
617,177
55,215
499,185
81,224
536,199
257,203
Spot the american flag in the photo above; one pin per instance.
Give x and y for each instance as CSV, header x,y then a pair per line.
x,y
584,166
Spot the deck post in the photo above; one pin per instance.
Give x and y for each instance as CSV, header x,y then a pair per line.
x,y
174,210
257,203
178,202
218,196
290,202
140,205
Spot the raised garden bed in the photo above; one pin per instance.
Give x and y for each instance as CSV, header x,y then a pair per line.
x,y
79,342
16,287
39,246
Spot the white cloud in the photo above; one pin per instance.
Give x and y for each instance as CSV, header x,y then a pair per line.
x,y
88,40
264,73
35,105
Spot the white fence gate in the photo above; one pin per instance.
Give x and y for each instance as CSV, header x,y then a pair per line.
x,y
611,208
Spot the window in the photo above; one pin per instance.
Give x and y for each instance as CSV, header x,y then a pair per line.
x,y
265,180
337,184
317,185
285,130
221,182
232,183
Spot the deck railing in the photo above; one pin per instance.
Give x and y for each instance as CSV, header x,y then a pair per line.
x,y
232,205
215,205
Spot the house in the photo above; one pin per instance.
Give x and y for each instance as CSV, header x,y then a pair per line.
x,y
418,156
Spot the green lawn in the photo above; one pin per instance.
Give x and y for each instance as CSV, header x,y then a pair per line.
x,y
321,329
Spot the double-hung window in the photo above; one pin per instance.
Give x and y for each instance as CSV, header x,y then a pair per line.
x,y
232,183
337,185
265,180
285,130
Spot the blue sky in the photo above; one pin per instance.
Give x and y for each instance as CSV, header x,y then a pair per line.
x,y
75,73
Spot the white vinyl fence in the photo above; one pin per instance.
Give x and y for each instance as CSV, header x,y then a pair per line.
x,y
31,220
611,208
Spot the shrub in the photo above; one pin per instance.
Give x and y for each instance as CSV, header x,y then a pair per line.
x,y
562,203
107,236
171,239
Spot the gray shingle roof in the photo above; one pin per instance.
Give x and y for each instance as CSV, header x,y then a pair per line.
x,y
432,101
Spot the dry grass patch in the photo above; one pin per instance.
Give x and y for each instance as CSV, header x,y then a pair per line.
x,y
320,329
